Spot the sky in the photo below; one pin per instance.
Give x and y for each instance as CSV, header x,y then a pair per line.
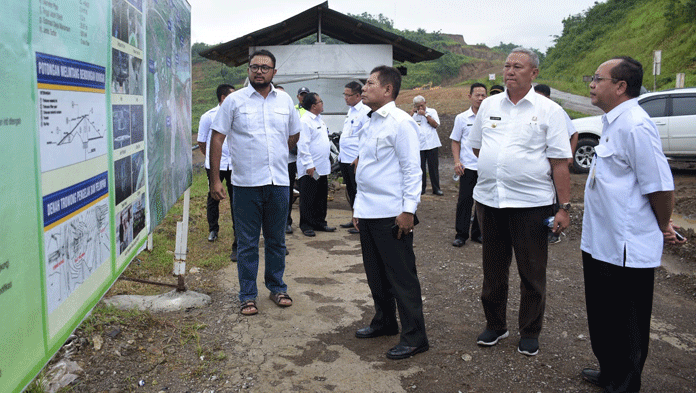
x,y
523,22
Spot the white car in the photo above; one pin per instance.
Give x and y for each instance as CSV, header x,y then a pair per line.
x,y
674,114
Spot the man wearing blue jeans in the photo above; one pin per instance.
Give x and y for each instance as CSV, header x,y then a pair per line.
x,y
260,124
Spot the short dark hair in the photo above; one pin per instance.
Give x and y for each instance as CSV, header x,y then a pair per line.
x,y
543,89
630,71
263,52
389,76
475,85
223,90
309,100
354,86
495,89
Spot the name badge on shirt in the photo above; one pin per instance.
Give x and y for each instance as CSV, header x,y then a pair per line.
x,y
495,118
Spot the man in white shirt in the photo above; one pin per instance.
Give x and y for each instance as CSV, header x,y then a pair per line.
x,y
428,121
629,197
355,119
313,166
389,181
519,137
465,167
260,124
213,205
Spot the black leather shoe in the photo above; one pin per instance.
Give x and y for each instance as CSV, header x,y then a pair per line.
x,y
309,232
369,332
212,236
347,225
439,192
591,376
326,229
353,231
477,240
458,242
403,352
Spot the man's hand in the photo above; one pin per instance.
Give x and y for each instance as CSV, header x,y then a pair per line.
x,y
355,223
561,221
459,168
310,171
421,112
405,223
671,235
217,190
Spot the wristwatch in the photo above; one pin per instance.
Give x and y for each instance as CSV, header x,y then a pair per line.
x,y
565,206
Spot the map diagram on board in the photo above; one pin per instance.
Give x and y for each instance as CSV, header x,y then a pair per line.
x,y
74,250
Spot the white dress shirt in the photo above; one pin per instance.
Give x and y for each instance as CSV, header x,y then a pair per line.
x,y
388,173
460,131
628,166
313,147
427,134
204,135
257,132
350,136
515,143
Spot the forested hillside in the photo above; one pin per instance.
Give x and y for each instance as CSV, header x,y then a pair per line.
x,y
625,27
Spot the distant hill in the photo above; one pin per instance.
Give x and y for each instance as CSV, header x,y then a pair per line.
x,y
625,27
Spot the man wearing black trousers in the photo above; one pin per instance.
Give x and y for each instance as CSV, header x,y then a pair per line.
x,y
389,181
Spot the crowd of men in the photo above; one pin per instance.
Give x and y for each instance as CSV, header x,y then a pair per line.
x,y
511,155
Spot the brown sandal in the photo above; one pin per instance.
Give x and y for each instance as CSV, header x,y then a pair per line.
x,y
278,297
249,306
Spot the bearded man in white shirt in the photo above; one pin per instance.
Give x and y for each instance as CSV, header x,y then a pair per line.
x,y
629,197
519,137
389,181
260,124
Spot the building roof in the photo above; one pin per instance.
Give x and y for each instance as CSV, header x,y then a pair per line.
x,y
319,19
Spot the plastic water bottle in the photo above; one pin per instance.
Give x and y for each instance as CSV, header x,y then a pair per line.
x,y
455,177
549,221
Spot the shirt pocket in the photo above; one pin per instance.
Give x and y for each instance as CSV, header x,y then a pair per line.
x,y
252,119
384,147
526,134
280,118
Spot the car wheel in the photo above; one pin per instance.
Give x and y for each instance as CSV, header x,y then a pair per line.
x,y
584,154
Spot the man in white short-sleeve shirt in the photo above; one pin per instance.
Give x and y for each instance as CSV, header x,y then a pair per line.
x,y
428,122
213,205
465,166
519,137
389,181
629,199
260,124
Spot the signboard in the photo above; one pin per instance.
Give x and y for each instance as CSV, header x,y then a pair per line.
x,y
75,185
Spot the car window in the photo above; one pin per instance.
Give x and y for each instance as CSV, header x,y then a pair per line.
x,y
684,106
655,107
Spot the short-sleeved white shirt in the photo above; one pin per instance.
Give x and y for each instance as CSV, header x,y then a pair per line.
x,y
515,142
313,147
462,125
426,133
629,165
350,136
204,135
388,174
257,132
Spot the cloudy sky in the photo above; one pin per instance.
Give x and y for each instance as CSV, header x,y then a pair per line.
x,y
523,22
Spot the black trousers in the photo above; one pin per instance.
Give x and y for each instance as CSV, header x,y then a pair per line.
x,y
292,172
464,204
348,173
213,205
390,267
430,157
619,305
313,195
521,230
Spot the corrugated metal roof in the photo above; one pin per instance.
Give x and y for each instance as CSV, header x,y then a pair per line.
x,y
333,24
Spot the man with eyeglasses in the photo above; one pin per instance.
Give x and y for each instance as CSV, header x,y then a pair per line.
x,y
629,197
354,121
518,137
260,124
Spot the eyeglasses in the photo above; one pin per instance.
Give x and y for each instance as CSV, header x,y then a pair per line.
x,y
350,95
264,68
597,79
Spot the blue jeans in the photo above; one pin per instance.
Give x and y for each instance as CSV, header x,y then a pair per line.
x,y
256,208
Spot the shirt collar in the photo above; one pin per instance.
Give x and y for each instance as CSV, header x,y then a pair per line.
x,y
386,109
531,96
312,115
613,114
249,90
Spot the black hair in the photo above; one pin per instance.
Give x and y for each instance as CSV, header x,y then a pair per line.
x,y
223,90
354,87
263,52
309,100
630,71
543,89
389,76
475,85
